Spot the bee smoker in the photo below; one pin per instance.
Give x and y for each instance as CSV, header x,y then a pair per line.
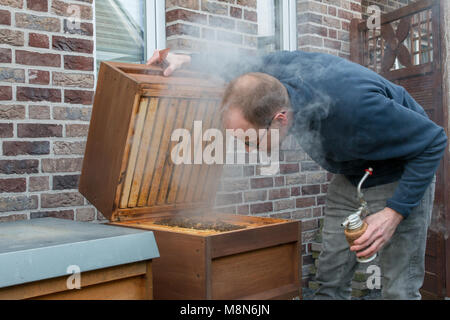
x,y
354,225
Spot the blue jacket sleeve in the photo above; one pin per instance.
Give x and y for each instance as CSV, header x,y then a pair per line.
x,y
387,129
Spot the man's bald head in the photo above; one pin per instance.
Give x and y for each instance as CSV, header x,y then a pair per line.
x,y
257,95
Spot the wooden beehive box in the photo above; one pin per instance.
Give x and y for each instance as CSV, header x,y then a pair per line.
x,y
58,259
129,176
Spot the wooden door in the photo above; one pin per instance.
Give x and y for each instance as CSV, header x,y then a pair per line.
x,y
406,49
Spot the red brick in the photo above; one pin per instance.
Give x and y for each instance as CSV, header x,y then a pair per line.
x,y
62,165
286,168
13,185
38,130
279,193
257,183
57,200
345,15
185,15
332,44
247,3
38,40
321,200
37,5
5,55
183,29
19,166
332,33
39,112
78,97
236,12
78,63
310,190
72,44
77,130
38,184
305,202
332,11
12,112
6,130
85,214
295,191
12,3
66,182
38,94
279,181
38,77
15,148
63,214
190,4
215,8
38,59
261,207
5,17
250,15
5,93
346,25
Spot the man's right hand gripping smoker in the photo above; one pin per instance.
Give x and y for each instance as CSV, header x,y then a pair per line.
x,y
354,225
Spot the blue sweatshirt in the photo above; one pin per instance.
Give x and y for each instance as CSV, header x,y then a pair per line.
x,y
349,118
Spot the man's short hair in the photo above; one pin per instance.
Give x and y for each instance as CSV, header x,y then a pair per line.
x,y
258,95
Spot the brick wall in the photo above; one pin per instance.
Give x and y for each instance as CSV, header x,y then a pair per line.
x,y
201,25
46,88
324,25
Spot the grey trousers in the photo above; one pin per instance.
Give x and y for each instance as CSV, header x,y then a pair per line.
x,y
401,260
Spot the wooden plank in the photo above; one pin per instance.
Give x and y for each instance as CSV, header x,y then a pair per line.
x,y
178,170
199,170
179,273
114,105
196,138
89,278
143,151
169,166
135,142
254,272
212,121
234,242
163,153
153,151
214,172
123,289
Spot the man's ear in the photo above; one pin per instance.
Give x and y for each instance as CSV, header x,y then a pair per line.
x,y
282,118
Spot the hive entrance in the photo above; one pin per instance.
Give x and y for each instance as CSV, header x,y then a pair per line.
x,y
198,223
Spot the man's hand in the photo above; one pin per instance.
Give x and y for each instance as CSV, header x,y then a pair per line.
x,y
381,227
174,61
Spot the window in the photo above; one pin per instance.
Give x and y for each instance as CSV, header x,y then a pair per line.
x,y
277,27
128,30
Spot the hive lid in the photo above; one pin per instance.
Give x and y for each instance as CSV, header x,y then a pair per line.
x,y
129,170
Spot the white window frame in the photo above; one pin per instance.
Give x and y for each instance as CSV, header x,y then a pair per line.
x,y
289,25
156,26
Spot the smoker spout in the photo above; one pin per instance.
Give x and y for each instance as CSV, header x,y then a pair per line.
x,y
360,194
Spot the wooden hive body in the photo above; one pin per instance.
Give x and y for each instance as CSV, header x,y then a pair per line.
x,y
129,176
